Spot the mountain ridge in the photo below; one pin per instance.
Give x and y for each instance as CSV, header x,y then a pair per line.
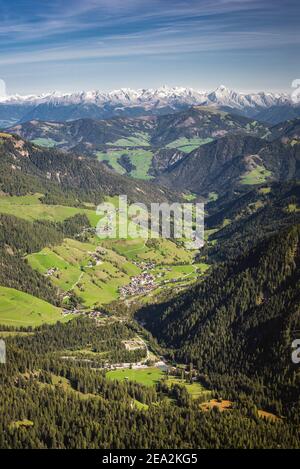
x,y
221,96
129,102
25,168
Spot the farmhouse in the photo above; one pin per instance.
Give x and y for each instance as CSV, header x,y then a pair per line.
x,y
51,271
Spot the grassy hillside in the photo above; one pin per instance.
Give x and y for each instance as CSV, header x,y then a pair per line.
x,y
256,176
135,163
229,163
95,270
31,208
62,176
188,144
95,283
20,309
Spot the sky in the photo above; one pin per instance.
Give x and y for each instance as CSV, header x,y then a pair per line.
x,y
74,45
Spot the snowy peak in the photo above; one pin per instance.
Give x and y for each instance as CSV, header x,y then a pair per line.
x,y
126,102
163,96
224,96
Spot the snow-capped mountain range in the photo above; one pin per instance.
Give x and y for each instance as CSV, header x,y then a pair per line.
x,y
128,102
222,96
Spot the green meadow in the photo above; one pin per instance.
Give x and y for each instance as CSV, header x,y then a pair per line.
x,y
259,175
75,266
98,283
30,207
162,251
195,389
151,376
140,159
112,158
140,139
188,272
20,309
95,283
45,142
188,144
145,376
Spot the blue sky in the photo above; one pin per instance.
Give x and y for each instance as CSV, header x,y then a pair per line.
x,y
71,45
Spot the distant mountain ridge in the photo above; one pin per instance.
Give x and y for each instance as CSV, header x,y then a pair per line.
x,y
141,147
158,131
132,103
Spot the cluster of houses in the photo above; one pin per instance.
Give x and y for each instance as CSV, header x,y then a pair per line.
x,y
139,285
144,266
66,312
95,314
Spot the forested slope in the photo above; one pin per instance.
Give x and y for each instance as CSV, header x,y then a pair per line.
x,y
240,319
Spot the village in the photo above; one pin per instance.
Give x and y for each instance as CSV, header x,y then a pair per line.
x,y
139,285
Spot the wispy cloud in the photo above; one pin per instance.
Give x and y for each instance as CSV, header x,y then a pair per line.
x,y
57,18
160,42
65,31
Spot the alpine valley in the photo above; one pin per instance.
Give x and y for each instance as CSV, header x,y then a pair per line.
x,y
125,342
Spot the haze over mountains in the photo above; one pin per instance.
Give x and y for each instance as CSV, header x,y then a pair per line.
x,y
268,107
